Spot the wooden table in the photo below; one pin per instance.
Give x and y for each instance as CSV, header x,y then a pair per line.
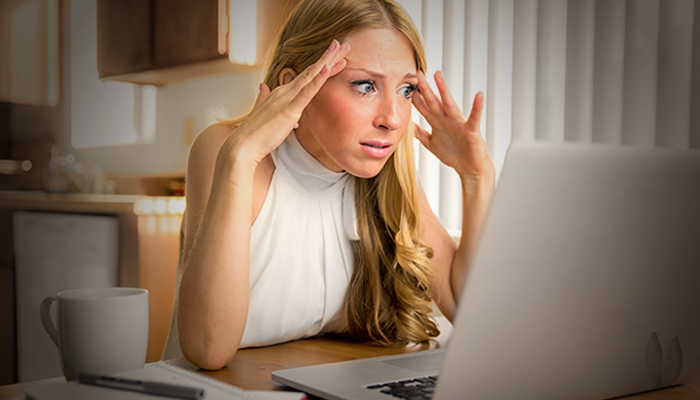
x,y
251,368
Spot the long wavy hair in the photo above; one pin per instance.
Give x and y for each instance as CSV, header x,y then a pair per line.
x,y
388,299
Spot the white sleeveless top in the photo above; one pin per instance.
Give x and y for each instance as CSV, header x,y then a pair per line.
x,y
301,256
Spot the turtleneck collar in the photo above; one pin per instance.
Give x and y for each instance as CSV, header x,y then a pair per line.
x,y
304,171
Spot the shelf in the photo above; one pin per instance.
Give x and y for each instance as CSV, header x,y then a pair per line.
x,y
175,75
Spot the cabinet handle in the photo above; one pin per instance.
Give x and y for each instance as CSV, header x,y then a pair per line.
x,y
222,42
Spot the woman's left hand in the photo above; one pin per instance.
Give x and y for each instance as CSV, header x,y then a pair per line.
x,y
455,141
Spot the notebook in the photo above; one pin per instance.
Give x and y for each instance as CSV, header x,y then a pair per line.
x,y
159,372
585,284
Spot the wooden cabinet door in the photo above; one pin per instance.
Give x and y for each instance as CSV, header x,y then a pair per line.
x,y
185,32
29,52
8,339
124,36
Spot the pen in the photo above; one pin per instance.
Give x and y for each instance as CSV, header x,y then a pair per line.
x,y
149,387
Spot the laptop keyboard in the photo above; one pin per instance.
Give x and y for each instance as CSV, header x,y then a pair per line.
x,y
409,389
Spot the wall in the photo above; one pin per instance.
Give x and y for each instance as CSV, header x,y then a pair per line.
x,y
198,101
33,122
201,101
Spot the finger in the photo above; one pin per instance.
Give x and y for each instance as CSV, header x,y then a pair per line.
x,y
420,104
334,54
474,121
451,108
304,96
311,84
424,109
431,100
337,62
339,67
339,57
262,95
422,135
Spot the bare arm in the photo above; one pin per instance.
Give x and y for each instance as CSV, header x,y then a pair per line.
x,y
225,173
213,300
457,142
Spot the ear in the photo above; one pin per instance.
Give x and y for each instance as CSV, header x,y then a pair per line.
x,y
287,75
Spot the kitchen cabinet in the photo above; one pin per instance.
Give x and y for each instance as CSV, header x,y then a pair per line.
x,y
123,37
8,349
186,31
29,52
161,42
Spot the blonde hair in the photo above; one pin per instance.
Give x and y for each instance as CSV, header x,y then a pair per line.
x,y
388,299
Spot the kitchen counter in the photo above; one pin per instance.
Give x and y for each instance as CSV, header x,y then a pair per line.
x,y
149,232
68,202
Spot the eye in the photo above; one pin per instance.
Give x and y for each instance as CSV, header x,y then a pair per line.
x,y
365,87
407,91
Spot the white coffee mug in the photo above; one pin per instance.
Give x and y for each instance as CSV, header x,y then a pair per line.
x,y
99,330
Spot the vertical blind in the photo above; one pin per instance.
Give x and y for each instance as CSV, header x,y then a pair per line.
x,y
594,71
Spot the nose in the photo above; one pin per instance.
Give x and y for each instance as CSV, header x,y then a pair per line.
x,y
388,116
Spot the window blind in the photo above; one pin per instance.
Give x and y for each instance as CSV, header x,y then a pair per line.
x,y
593,71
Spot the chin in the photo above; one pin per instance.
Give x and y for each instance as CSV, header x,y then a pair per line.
x,y
364,176
367,169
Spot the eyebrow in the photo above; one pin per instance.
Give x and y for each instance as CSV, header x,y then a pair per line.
x,y
379,74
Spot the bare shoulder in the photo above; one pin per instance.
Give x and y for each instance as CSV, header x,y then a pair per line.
x,y
202,161
208,143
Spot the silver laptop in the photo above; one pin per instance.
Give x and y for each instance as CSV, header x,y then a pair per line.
x,y
585,284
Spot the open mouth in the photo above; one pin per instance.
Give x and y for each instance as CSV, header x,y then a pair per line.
x,y
376,146
376,149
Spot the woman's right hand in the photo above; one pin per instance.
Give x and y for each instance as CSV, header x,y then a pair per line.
x,y
275,113
221,199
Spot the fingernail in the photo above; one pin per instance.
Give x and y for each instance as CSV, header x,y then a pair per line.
x,y
333,46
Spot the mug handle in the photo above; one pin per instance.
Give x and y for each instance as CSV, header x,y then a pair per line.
x,y
45,312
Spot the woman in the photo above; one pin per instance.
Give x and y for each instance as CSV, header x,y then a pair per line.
x,y
305,217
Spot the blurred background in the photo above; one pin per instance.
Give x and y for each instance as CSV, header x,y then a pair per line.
x,y
101,99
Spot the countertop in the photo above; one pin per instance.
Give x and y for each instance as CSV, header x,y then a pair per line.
x,y
149,233
69,202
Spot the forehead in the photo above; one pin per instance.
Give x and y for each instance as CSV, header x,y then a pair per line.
x,y
381,50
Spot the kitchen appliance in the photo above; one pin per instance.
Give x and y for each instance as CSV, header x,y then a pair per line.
x,y
53,253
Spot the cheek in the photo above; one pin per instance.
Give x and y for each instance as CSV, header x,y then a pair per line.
x,y
406,114
405,118
342,113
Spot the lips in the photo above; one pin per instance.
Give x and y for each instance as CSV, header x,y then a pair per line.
x,y
376,148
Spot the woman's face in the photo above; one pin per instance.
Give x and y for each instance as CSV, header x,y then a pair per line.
x,y
356,120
